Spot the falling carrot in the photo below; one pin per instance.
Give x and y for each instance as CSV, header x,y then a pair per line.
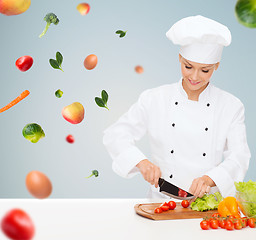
x,y
15,101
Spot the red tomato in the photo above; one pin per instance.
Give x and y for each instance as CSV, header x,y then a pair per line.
x,y
165,208
185,203
204,225
214,224
229,225
238,224
251,222
172,205
24,63
231,217
164,204
215,215
222,223
70,138
182,193
158,210
17,225
244,221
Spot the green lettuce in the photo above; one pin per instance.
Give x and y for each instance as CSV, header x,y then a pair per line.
x,y
207,202
246,195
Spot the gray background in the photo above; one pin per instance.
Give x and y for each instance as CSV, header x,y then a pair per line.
x,y
76,37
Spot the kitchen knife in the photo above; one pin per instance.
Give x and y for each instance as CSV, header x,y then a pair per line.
x,y
173,191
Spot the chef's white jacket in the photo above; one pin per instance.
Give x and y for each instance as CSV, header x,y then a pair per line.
x,y
188,139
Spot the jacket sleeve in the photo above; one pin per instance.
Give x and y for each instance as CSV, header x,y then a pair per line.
x,y
119,139
236,157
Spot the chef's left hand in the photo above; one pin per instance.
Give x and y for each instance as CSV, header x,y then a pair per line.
x,y
201,185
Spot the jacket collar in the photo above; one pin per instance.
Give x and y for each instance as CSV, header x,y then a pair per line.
x,y
204,95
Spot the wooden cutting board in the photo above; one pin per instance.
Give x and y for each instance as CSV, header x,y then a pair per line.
x,y
147,210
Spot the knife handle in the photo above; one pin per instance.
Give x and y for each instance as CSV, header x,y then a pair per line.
x,y
160,182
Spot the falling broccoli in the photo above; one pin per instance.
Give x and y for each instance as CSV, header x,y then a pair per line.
x,y
95,173
49,18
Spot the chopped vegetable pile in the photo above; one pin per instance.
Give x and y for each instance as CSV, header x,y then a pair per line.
x,y
207,202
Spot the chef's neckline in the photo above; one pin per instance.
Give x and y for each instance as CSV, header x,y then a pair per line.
x,y
203,96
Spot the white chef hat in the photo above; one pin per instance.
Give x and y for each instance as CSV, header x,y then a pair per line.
x,y
201,39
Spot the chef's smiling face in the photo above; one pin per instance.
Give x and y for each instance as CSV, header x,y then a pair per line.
x,y
196,76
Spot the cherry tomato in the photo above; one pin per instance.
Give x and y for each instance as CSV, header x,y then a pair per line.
x,y
222,223
17,225
204,225
231,217
229,225
182,193
158,210
185,203
70,138
214,224
165,208
251,222
238,224
172,205
244,221
164,204
215,215
24,63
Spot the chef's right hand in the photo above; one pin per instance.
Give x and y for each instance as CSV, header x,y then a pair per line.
x,y
149,171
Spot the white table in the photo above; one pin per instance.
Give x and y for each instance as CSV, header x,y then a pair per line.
x,y
113,219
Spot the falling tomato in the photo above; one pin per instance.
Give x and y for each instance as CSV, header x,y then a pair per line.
x,y
17,225
70,139
90,61
24,63
139,69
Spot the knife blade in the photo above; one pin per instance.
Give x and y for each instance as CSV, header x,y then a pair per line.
x,y
171,190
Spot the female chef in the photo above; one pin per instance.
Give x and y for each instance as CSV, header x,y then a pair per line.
x,y
196,130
